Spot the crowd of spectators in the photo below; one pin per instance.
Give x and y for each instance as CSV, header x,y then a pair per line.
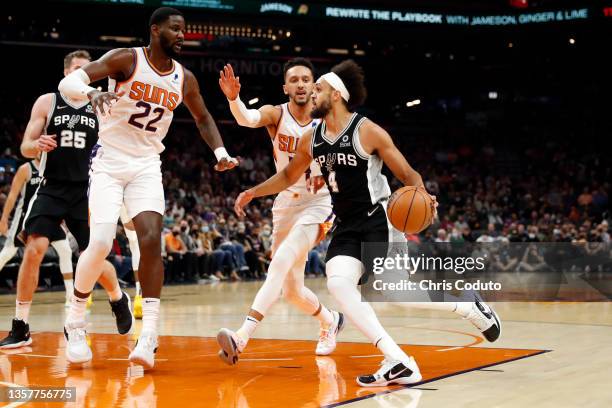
x,y
530,192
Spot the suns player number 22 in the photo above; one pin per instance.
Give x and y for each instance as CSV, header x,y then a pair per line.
x,y
147,109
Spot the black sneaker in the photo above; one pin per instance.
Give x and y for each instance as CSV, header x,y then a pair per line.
x,y
19,336
485,319
122,310
392,372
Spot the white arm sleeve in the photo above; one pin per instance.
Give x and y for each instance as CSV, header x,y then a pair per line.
x,y
76,85
244,117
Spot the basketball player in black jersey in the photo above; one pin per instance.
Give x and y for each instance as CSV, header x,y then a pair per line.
x,y
351,150
24,185
62,132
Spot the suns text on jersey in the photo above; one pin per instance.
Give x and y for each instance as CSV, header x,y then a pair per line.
x,y
154,94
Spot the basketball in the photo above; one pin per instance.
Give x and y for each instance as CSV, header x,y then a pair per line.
x,y
410,209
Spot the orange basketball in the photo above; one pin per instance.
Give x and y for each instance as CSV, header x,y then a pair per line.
x,y
410,209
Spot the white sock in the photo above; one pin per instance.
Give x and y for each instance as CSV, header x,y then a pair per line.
x,y
248,328
69,286
461,308
116,294
390,349
325,317
76,313
22,310
150,314
138,289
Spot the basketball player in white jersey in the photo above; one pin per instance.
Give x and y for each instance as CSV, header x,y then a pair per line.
x,y
145,86
24,185
299,212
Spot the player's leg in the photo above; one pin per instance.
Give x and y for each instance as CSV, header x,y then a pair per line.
x,y
130,233
292,248
343,274
144,200
119,300
64,252
105,200
297,293
27,282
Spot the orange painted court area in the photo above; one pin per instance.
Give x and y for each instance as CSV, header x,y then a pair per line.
x,y
273,373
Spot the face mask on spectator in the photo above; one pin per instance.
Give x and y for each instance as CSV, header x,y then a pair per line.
x,y
205,228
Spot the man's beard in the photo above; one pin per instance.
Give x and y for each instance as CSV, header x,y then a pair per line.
x,y
320,110
168,47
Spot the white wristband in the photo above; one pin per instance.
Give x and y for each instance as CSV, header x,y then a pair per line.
x,y
244,117
220,153
76,85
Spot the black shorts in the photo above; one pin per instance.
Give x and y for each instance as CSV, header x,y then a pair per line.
x,y
364,226
57,201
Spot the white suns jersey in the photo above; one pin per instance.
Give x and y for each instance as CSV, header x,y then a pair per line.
x,y
140,119
285,142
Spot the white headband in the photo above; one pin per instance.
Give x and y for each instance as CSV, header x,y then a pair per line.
x,y
335,82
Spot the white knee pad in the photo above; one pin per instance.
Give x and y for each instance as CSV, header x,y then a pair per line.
x,y
134,248
346,267
64,252
101,236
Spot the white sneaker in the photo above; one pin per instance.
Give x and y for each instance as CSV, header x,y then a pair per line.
x,y
144,352
77,349
485,319
392,372
327,338
231,345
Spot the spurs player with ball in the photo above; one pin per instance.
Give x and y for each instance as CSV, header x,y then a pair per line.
x,y
350,150
299,212
146,85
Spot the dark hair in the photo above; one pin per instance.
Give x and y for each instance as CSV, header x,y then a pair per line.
x,y
162,14
352,75
75,54
297,62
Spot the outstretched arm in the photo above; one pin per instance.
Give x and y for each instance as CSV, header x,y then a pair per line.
x,y
205,122
116,64
267,115
281,180
21,177
34,141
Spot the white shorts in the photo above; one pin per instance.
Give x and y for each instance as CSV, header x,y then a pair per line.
x,y
116,178
304,209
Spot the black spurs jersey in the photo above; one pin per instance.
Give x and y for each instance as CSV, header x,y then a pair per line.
x,y
76,130
31,185
353,177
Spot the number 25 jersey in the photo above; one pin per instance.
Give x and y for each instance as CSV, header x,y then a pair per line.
x,y
140,119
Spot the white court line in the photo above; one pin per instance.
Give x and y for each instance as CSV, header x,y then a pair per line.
x,y
371,355
127,359
35,355
451,348
265,359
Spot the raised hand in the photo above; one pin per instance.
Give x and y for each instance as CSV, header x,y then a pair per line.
x,y
230,84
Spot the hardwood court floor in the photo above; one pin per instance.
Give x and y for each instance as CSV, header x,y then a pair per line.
x,y
550,354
